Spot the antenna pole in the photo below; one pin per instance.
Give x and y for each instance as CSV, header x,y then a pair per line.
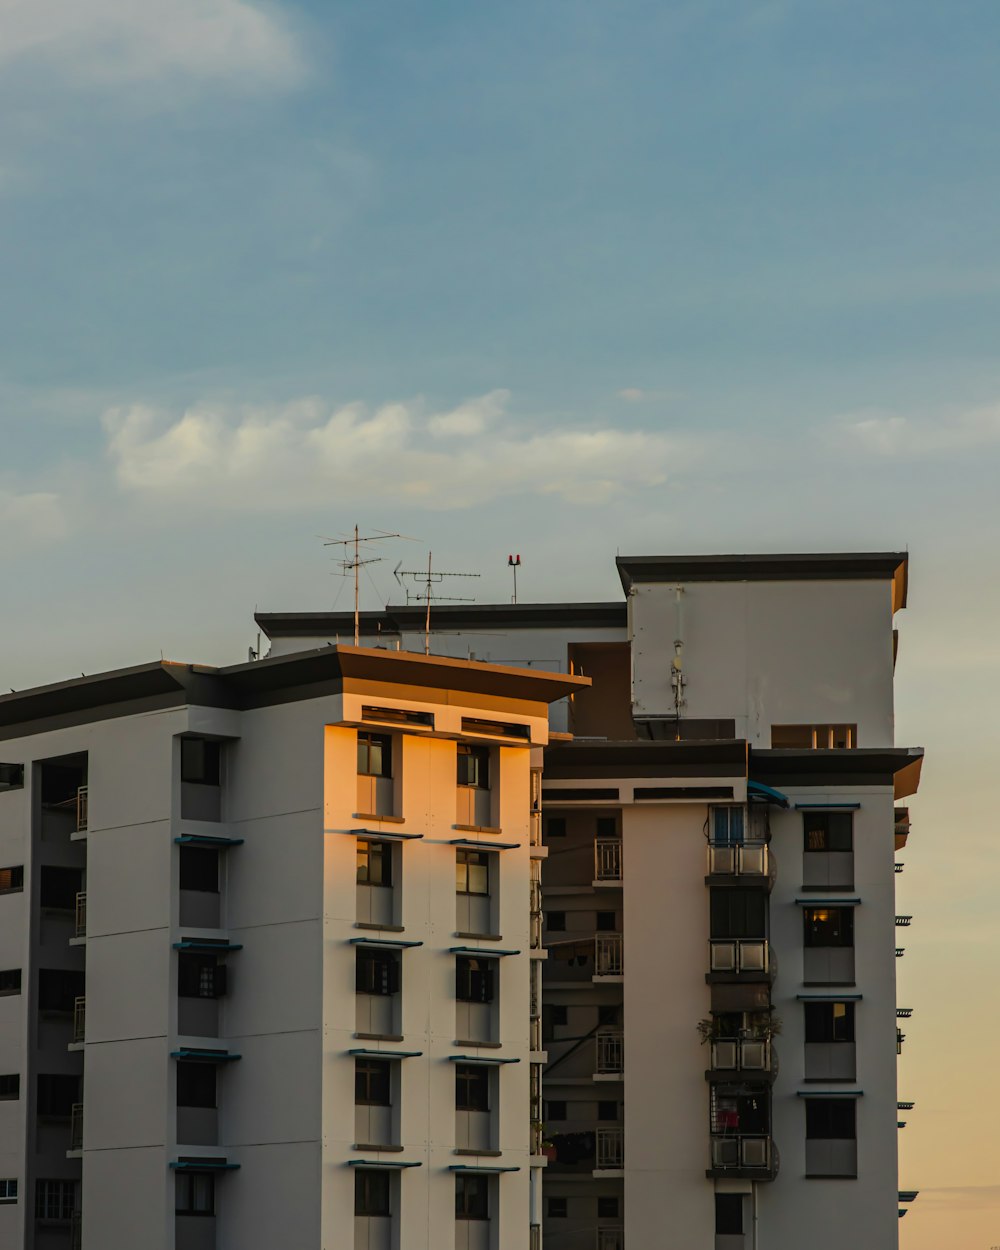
x,y
427,622
355,565
357,593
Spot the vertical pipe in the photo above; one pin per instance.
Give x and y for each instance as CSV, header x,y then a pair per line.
x,y
753,1203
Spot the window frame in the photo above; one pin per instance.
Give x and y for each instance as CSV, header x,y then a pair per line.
x,y
818,1031
63,1192
472,1087
186,1203
738,913
844,935
10,981
369,1075
15,877
197,1076
475,979
11,1091
200,869
383,984
827,1120
472,1196
463,877
8,1190
11,777
366,742
203,771
827,835
369,1204
476,755
729,1214
202,972
724,829
383,857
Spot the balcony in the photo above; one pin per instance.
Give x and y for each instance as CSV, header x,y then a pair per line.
x,y
751,862
80,915
608,955
610,1143
76,1127
752,1056
82,794
535,916
79,1020
740,959
607,860
610,1238
610,1059
750,1157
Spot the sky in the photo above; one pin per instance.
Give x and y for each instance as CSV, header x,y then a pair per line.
x,y
563,279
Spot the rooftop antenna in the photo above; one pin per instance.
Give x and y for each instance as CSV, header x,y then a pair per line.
x,y
354,564
514,562
430,578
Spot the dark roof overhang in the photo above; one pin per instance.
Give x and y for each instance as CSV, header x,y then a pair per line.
x,y
898,767
484,616
646,759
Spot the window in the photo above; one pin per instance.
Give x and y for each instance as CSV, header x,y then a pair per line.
x,y
473,766
828,926
58,989
372,1082
200,869
472,1087
729,1215
56,1095
374,862
194,1193
200,761
738,913
557,1208
727,826
474,979
10,981
371,1192
555,921
828,831
471,1197
11,879
607,1109
829,1022
555,1108
473,872
196,1084
555,827
607,827
55,1200
605,922
831,1119
377,971
11,777
560,1016
8,1189
814,737
374,755
10,1086
200,976
607,1208
59,887
735,1110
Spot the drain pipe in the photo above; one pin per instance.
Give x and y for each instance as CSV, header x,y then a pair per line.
x,y
753,1204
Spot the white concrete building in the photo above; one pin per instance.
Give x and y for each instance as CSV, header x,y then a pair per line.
x,y
721,836
269,956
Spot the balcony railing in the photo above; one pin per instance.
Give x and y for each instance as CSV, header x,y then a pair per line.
x,y
751,859
608,859
79,1019
739,955
741,1054
76,1127
610,1238
610,1051
742,1153
608,955
610,1149
81,809
535,1033
76,1231
80,918
535,916
535,1237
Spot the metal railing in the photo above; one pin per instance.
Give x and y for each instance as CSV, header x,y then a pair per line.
x,y
753,1153
741,1054
82,795
79,1019
535,1237
751,859
76,1127
608,859
610,1149
76,1231
610,1238
608,955
535,916
610,1051
80,918
739,955
535,1034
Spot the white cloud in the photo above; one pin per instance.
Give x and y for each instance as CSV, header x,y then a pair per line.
x,y
129,41
632,393
892,435
302,454
33,517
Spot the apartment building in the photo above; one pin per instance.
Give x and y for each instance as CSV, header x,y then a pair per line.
x,y
722,808
270,948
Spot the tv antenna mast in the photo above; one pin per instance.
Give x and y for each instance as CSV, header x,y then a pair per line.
x,y
430,577
514,563
354,564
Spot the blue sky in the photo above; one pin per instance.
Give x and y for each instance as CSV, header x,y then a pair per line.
x,y
560,277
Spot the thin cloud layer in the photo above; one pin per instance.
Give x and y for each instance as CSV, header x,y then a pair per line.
x,y
893,435
128,41
32,517
303,455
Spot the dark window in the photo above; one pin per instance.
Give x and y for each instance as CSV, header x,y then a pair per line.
x,y
729,1215
560,1016
474,979
374,862
828,831
607,827
607,1208
10,980
59,887
11,776
377,971
739,913
196,1084
472,1087
472,872
829,1022
57,1094
371,1192
607,1015
473,766
557,1208
727,826
8,1189
734,1110
555,827
828,926
59,988
11,879
372,1082
10,1086
200,869
606,922
194,1193
55,1200
472,1201
831,1118
555,1108
374,755
200,761
200,976
555,921
607,1109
